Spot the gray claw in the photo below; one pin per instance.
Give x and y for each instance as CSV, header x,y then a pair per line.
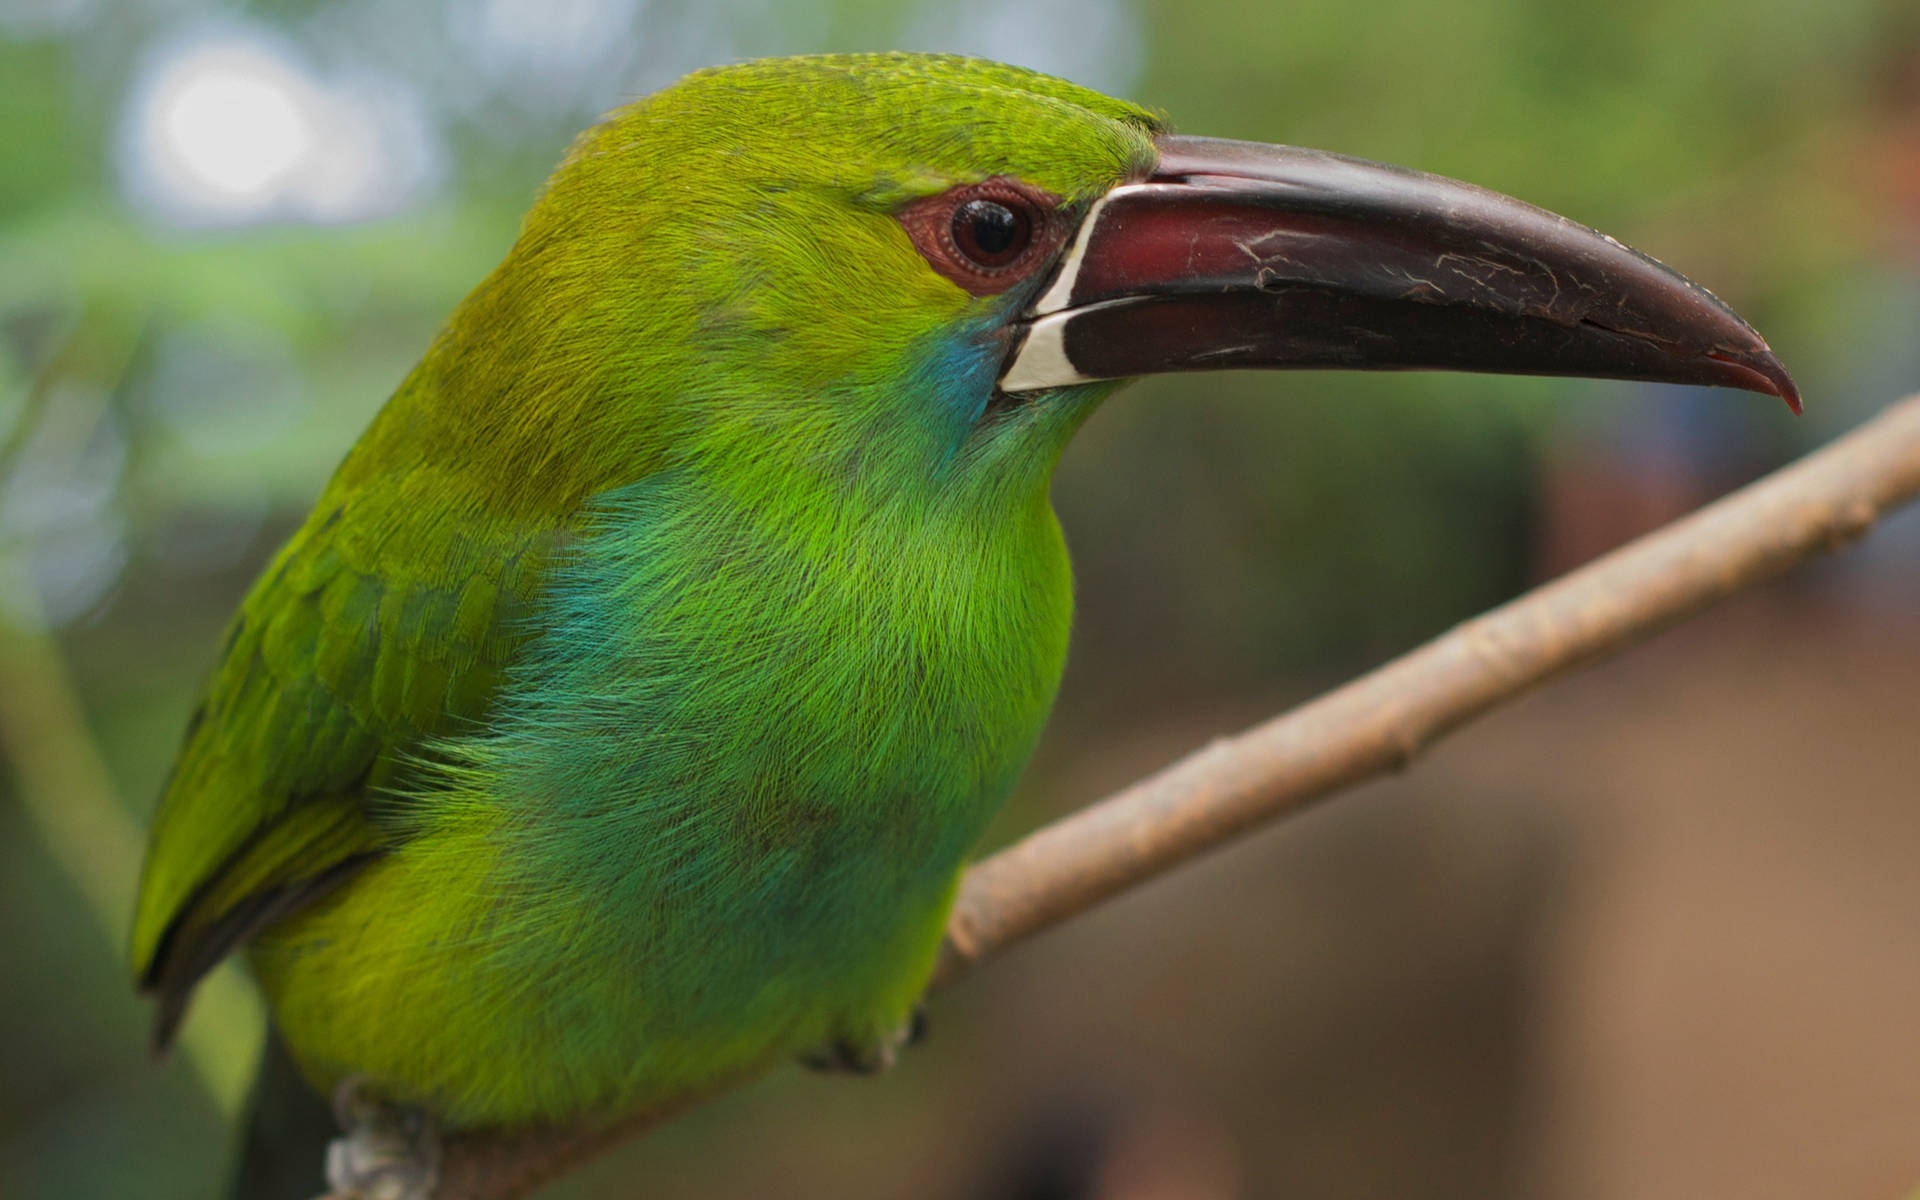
x,y
857,1057
389,1151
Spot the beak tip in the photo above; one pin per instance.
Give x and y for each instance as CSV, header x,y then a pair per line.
x,y
1760,370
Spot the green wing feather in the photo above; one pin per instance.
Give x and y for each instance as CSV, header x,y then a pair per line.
x,y
388,621
382,623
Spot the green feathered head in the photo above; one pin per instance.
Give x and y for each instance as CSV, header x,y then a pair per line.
x,y
882,270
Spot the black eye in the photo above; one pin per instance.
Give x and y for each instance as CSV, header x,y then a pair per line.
x,y
990,233
984,237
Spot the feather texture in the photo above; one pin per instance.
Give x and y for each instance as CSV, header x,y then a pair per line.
x,y
623,714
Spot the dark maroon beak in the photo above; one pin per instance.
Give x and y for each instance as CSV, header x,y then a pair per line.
x,y
1237,254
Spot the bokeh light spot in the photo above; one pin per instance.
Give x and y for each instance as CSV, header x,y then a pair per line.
x,y
226,126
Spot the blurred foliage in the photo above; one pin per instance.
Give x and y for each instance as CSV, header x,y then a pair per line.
x,y
171,398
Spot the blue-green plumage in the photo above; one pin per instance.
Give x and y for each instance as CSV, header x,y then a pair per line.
x,y
897,658
621,717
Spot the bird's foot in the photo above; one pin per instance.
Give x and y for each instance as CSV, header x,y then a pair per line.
x,y
869,1055
389,1151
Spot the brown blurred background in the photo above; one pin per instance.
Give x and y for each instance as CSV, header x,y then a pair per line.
x,y
1650,933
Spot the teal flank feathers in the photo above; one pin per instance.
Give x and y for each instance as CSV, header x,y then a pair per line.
x,y
621,718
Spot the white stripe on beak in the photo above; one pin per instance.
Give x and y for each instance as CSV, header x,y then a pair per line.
x,y
1042,360
1060,291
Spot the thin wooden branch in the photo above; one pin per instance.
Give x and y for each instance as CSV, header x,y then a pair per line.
x,y
1377,723
1383,720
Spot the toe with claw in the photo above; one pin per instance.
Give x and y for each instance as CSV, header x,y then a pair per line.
x,y
387,1152
868,1055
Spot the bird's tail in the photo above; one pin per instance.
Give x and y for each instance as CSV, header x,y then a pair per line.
x,y
284,1144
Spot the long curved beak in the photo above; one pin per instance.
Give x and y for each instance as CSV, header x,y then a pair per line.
x,y
1238,254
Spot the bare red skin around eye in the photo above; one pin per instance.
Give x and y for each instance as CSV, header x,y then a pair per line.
x,y
929,222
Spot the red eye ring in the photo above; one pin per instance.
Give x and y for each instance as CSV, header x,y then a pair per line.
x,y
986,237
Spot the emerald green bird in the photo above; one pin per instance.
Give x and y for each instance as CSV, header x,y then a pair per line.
x,y
620,720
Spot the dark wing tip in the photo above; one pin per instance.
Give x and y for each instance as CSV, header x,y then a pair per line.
x,y
187,952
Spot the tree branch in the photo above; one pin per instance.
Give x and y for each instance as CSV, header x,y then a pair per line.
x,y
1377,723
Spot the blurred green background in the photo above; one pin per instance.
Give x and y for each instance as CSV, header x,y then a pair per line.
x,y
1649,934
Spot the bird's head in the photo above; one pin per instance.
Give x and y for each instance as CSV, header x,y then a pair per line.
x,y
883,271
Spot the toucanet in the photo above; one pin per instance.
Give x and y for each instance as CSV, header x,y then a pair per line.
x,y
619,721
